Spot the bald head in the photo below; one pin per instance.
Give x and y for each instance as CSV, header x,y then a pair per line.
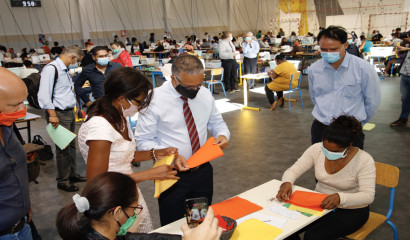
x,y
249,34
13,92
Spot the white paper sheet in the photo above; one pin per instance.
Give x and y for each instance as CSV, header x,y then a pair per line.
x,y
271,220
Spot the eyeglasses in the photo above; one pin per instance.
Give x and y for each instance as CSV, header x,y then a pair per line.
x,y
138,101
197,87
138,209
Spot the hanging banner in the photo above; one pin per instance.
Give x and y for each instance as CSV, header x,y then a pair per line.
x,y
123,33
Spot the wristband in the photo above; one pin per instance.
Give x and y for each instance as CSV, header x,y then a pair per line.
x,y
152,154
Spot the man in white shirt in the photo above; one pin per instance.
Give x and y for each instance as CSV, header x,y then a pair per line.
x,y
177,105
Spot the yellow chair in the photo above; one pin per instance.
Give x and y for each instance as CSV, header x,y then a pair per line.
x,y
388,176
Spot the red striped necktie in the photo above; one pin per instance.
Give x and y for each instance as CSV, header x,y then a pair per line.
x,y
190,124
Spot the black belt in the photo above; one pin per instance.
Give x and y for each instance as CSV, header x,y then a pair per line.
x,y
65,110
319,122
16,228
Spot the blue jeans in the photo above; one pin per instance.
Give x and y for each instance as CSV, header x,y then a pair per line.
x,y
23,234
405,96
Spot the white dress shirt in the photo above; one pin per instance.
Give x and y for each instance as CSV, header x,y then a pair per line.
x,y
163,124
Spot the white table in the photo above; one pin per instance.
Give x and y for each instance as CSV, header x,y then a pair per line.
x,y
27,119
245,87
260,195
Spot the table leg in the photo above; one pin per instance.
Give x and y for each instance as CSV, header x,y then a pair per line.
x,y
245,97
29,131
240,73
153,79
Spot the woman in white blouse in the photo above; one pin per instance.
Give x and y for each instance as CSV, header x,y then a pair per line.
x,y
346,173
106,140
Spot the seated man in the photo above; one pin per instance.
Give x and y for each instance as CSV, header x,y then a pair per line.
x,y
95,73
28,70
281,80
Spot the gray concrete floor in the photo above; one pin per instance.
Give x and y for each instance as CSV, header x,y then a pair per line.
x,y
263,145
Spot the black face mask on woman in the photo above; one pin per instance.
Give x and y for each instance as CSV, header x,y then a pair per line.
x,y
187,92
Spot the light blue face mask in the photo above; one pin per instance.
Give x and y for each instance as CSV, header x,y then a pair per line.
x,y
330,57
73,66
333,155
102,61
248,39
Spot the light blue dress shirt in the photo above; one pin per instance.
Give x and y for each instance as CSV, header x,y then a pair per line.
x,y
250,50
64,97
163,124
353,89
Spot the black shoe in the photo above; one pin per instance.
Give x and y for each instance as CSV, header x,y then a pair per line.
x,y
77,178
136,164
67,186
401,122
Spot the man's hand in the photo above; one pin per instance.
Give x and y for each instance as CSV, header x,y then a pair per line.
x,y
160,153
222,141
284,192
180,163
29,216
54,121
208,230
331,201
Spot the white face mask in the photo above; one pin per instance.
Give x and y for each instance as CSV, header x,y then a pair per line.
x,y
131,111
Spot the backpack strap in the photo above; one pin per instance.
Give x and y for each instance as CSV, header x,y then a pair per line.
x,y
55,81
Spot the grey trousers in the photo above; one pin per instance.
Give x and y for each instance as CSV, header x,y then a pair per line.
x,y
250,66
66,159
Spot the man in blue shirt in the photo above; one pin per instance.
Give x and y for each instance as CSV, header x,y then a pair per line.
x,y
250,49
15,209
341,84
58,100
95,73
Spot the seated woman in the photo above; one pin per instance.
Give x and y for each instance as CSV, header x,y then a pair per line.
x,y
120,54
159,47
365,46
106,140
346,173
109,206
280,80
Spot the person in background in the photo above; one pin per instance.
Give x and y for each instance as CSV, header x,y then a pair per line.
x,y
56,50
341,84
281,32
190,50
297,46
159,48
250,49
111,219
28,70
191,110
377,37
366,45
145,44
59,102
105,138
46,48
89,42
215,42
127,41
120,54
207,37
404,84
352,48
354,36
15,206
173,54
344,172
205,43
23,54
95,73
116,39
227,53
137,47
3,51
284,42
32,52
152,38
12,54
281,76
259,34
293,37
88,55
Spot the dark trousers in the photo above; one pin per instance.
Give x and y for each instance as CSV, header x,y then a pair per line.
x,y
230,67
338,223
66,159
250,66
190,185
318,129
271,96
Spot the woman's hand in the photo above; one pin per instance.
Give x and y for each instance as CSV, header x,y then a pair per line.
x,y
208,230
331,201
163,172
160,153
284,192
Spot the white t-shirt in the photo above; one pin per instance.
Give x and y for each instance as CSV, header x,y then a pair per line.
x,y
122,151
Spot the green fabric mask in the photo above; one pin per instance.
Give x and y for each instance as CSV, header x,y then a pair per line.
x,y
115,50
124,228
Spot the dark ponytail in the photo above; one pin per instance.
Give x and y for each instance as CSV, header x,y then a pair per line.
x,y
104,192
343,131
123,81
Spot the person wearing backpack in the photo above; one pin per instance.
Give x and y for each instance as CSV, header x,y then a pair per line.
x,y
56,97
15,207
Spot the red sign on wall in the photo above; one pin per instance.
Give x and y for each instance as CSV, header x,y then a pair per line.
x,y
123,33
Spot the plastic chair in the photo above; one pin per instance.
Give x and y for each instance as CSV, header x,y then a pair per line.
x,y
297,75
394,65
212,81
388,176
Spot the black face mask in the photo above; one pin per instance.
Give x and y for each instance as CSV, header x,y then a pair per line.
x,y
187,92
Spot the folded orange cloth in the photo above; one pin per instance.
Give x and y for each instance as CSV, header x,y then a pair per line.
x,y
309,200
208,152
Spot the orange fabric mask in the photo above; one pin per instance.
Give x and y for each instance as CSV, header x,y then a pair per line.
x,y
7,119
